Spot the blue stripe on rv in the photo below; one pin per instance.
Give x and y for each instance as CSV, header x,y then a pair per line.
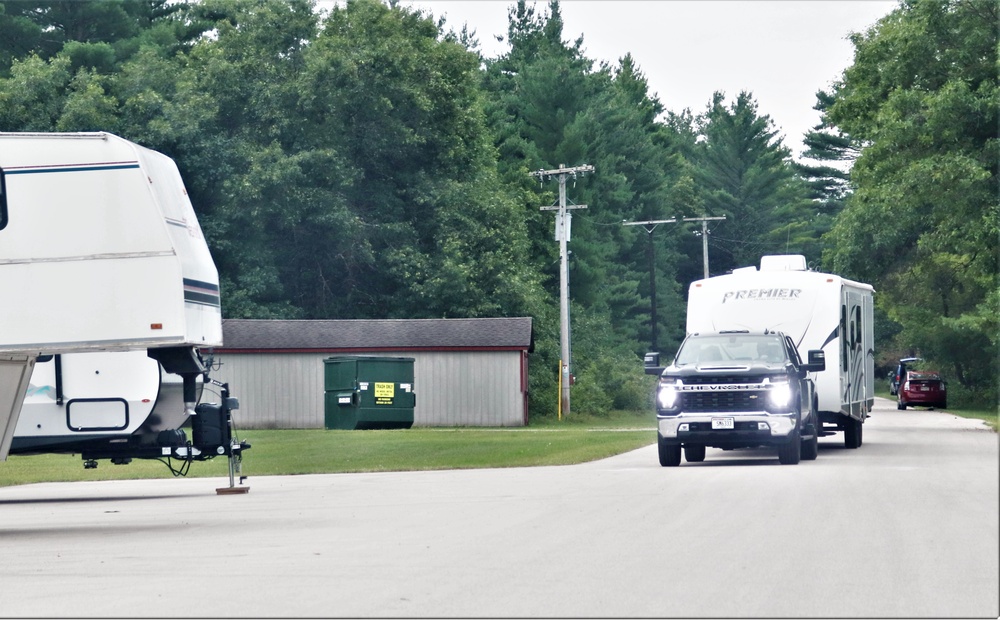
x,y
90,168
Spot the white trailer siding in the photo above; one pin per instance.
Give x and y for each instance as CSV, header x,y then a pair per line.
x,y
200,279
100,393
101,248
818,310
77,397
453,388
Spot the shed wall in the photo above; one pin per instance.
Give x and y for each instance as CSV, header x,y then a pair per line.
x,y
285,390
276,390
468,389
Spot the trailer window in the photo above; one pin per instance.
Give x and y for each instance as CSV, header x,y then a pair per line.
x,y
857,323
3,201
843,338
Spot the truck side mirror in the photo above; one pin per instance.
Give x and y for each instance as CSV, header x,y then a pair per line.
x,y
651,362
817,361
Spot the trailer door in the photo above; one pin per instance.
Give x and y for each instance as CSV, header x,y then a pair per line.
x,y
853,354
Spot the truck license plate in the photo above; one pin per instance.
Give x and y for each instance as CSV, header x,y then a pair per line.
x,y
723,424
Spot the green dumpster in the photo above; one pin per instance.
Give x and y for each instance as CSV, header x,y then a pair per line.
x,y
366,392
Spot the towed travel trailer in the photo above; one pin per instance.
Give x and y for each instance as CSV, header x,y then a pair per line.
x,y
819,311
100,250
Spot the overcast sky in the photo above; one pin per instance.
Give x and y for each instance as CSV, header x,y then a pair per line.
x,y
782,51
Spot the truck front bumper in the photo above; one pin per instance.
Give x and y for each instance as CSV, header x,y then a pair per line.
x,y
747,429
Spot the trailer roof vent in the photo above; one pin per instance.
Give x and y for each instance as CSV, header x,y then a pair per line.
x,y
783,262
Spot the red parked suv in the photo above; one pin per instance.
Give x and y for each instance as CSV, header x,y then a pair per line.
x,y
924,388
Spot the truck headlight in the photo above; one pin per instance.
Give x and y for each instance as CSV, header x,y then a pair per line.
x,y
667,396
780,396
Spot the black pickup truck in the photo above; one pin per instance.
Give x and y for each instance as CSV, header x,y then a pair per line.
x,y
736,390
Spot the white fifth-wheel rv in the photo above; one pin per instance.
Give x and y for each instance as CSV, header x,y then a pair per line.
x,y
819,311
119,406
100,251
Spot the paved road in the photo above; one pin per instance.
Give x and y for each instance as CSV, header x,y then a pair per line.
x,y
905,526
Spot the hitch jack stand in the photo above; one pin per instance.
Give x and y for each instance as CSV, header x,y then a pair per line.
x,y
235,465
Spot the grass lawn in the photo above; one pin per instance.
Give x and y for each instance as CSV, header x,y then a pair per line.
x,y
990,417
975,412
284,452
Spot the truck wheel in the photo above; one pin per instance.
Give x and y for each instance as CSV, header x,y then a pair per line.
x,y
901,406
694,453
810,447
852,433
791,452
670,454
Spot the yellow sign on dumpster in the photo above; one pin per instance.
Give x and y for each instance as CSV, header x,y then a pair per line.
x,y
384,393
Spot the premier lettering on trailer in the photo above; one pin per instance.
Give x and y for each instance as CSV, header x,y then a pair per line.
x,y
762,293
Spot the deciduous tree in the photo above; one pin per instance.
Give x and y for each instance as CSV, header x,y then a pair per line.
x,y
922,225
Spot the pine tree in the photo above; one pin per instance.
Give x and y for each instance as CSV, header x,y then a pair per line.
x,y
746,175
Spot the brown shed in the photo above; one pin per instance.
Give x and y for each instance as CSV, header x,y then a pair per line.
x,y
467,372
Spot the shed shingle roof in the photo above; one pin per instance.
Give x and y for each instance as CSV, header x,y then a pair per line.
x,y
385,334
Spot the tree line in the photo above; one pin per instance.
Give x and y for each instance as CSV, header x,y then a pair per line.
x,y
370,162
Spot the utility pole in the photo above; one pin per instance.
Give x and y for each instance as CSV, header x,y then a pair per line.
x,y
563,222
704,236
650,226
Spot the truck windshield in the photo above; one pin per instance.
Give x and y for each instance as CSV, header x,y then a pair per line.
x,y
722,348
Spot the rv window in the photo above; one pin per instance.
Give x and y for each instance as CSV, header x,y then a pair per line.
x,y
843,337
3,201
857,323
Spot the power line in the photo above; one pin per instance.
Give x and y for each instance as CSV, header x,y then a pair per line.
x,y
650,226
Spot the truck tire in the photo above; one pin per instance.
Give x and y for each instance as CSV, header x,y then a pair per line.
x,y
852,433
791,452
810,447
694,453
670,454
900,406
